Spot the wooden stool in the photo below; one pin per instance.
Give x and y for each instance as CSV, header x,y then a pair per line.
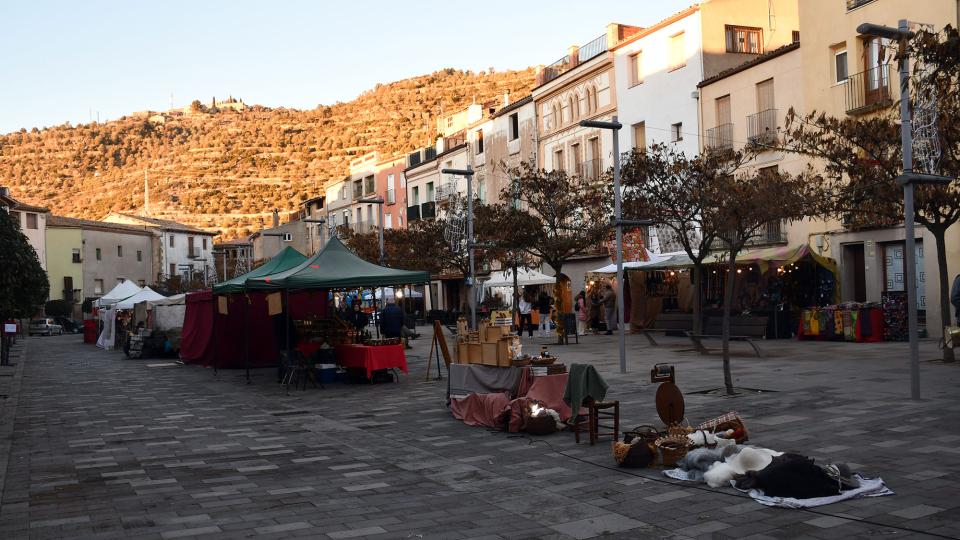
x,y
597,411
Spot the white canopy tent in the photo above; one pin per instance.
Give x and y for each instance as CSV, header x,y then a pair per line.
x,y
145,295
656,261
168,313
504,278
125,289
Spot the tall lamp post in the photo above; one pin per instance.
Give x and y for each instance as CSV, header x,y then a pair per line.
x,y
614,126
383,297
908,179
468,174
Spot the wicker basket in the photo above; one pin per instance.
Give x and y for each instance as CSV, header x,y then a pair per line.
x,y
540,425
520,362
672,449
543,360
648,434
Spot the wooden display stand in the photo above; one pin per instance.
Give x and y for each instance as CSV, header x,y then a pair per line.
x,y
491,345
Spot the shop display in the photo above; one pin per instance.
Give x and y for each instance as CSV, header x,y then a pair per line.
x,y
850,321
895,315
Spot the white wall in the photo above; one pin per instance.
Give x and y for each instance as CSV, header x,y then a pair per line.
x,y
179,253
663,98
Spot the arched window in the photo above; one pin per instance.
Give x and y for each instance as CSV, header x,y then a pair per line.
x,y
592,98
572,105
555,117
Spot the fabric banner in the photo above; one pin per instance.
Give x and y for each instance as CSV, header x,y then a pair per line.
x,y
222,305
274,304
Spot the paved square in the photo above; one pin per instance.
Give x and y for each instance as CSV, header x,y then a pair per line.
x,y
94,445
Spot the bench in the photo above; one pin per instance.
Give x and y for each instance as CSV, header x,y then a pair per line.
x,y
669,322
742,328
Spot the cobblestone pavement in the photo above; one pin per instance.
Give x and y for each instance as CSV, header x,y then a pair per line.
x,y
107,447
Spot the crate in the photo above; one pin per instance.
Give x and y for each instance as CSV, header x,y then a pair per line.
x,y
491,334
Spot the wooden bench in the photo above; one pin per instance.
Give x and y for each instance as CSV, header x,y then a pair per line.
x,y
742,328
669,322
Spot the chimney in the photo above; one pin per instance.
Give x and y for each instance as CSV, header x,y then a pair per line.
x,y
4,191
276,218
573,52
506,99
613,35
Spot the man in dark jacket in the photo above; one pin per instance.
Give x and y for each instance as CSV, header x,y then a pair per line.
x,y
955,297
391,321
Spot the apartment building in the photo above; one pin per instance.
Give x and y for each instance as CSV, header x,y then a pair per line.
x,y
32,221
500,142
338,201
845,73
85,258
268,242
362,186
178,249
391,186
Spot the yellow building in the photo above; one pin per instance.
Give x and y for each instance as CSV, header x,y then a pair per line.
x,y
65,263
845,73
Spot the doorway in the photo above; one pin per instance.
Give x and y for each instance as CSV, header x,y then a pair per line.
x,y
855,275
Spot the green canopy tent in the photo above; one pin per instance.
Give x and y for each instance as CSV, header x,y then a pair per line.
x,y
336,267
285,260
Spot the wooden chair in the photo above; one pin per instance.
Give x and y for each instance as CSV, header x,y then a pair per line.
x,y
597,412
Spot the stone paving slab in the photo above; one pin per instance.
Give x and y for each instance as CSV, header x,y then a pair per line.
x,y
101,446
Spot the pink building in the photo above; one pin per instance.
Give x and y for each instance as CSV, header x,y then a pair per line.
x,y
391,185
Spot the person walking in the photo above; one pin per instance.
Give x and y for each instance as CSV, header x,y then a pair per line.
x,y
955,297
526,319
543,307
580,306
596,302
610,308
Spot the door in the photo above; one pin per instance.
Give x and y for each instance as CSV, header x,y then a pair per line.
x,y
876,74
856,274
723,110
68,288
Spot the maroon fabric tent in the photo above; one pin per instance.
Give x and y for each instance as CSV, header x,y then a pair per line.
x,y
245,333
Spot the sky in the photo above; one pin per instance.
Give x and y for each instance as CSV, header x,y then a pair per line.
x,y
70,61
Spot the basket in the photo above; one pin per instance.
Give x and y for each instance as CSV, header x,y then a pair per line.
x,y
731,420
543,361
647,434
633,455
679,429
520,362
672,449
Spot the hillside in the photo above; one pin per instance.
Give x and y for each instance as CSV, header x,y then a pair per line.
x,y
226,170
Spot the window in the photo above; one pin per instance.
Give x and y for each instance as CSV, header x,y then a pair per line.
x,y
743,39
636,68
139,256
190,251
204,243
31,220
482,191
388,221
391,189
554,117
173,269
98,287
572,111
575,160
795,36
840,66
171,240
416,195
479,141
593,144
370,185
99,256
678,52
765,96
558,160
76,255
430,196
119,251
514,126
676,132
640,136
287,237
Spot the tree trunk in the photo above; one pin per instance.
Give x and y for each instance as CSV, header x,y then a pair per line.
x,y
939,235
727,303
558,302
697,298
515,314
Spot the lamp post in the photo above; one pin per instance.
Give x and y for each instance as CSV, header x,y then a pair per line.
x,y
468,174
908,179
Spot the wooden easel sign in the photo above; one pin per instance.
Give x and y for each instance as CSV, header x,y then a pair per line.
x,y
439,344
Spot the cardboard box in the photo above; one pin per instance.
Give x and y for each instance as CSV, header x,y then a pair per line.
x,y
488,354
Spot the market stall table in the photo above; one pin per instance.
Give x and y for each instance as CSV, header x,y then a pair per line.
x,y
372,358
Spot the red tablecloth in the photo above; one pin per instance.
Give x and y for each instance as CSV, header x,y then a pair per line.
x,y
372,358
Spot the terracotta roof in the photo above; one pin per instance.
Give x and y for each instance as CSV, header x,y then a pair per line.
x,y
769,55
513,106
23,207
61,221
166,224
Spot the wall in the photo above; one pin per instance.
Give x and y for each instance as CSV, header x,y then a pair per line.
x,y
111,267
37,237
267,247
179,253
776,18
502,154
397,211
60,243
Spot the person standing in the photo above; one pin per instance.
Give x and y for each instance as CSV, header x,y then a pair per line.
x,y
955,297
543,307
526,319
610,308
580,306
596,302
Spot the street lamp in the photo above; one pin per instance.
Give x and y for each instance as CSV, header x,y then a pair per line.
x,y
468,174
908,179
614,126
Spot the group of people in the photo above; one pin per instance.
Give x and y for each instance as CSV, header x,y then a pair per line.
x,y
588,310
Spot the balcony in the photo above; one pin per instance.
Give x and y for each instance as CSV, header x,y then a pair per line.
x,y
413,213
772,233
428,210
588,51
594,48
76,258
762,127
391,196
719,138
868,90
854,4
193,253
590,170
444,192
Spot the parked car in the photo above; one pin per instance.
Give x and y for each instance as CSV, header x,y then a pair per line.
x,y
47,327
69,325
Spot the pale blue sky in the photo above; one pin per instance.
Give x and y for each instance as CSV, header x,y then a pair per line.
x,y
61,60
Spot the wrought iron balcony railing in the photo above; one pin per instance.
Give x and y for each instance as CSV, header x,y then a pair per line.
x,y
720,137
868,90
413,213
762,127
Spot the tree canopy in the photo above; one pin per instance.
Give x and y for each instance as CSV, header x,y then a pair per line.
x,y
23,283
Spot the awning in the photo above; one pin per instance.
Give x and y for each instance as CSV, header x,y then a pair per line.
x,y
285,260
658,261
775,256
336,267
524,277
146,294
